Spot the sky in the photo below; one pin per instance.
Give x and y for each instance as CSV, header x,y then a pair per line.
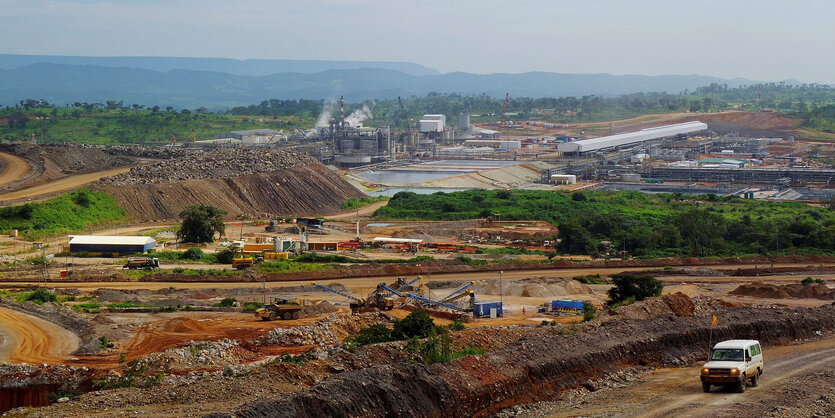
x,y
763,40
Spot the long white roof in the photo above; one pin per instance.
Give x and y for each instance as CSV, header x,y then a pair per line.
x,y
647,134
111,240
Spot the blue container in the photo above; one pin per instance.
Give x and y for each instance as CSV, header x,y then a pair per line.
x,y
567,304
482,309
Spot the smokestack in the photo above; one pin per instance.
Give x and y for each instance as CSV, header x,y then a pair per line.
x,y
342,104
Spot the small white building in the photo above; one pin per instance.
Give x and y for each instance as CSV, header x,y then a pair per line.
x,y
563,179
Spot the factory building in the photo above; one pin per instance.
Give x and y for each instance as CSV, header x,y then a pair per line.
x,y
631,138
432,123
111,244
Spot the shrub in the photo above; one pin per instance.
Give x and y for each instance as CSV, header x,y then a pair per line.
x,y
416,324
630,285
589,311
378,333
225,256
250,306
807,281
457,325
226,303
41,296
193,253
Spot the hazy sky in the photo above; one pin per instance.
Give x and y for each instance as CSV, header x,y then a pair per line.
x,y
760,40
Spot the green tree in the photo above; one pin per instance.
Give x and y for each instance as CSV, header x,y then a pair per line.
x,y
200,223
702,230
633,286
417,324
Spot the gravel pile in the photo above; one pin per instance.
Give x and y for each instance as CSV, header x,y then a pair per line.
x,y
221,163
325,331
197,355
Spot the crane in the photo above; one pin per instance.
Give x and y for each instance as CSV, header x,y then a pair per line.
x,y
504,108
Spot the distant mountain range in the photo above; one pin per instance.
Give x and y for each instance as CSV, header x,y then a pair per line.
x,y
219,83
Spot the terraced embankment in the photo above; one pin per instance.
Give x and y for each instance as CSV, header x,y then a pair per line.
x,y
535,368
260,183
306,190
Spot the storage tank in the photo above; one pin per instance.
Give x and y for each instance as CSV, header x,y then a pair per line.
x,y
630,177
464,122
346,145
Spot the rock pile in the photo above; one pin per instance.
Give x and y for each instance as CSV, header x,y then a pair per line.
x,y
325,331
220,163
197,355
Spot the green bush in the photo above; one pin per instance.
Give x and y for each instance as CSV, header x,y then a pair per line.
x,y
251,306
417,324
807,281
41,296
193,254
457,325
589,311
225,256
374,334
226,303
633,286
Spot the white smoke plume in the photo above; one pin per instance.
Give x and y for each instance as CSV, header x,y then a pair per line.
x,y
328,110
358,116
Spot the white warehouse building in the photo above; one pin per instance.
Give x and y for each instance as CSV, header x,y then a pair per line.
x,y
432,123
611,141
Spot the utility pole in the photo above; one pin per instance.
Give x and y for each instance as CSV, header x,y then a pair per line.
x,y
501,290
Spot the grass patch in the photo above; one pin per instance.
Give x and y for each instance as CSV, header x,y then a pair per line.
x,y
67,213
205,258
89,307
354,203
591,279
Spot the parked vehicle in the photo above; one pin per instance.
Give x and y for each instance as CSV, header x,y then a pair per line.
x,y
142,263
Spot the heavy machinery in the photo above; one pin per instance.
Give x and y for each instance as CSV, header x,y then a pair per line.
x,y
278,308
142,263
272,227
376,301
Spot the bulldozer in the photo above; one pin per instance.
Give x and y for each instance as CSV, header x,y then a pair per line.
x,y
279,308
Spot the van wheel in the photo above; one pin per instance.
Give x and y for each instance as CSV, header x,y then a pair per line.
x,y
740,386
755,379
706,387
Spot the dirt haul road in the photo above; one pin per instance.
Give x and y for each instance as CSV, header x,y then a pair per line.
x,y
27,339
678,391
12,168
61,185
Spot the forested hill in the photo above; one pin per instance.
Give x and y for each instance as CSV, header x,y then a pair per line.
x,y
62,83
250,67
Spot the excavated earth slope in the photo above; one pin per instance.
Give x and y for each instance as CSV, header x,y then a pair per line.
x,y
256,182
534,368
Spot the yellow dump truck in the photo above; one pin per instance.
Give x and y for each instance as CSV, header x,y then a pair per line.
x,y
278,308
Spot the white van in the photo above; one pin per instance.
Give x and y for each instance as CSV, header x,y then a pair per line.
x,y
733,362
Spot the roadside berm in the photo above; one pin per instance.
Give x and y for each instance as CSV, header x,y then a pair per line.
x,y
536,368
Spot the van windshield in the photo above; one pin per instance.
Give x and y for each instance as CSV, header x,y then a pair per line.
x,y
726,354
